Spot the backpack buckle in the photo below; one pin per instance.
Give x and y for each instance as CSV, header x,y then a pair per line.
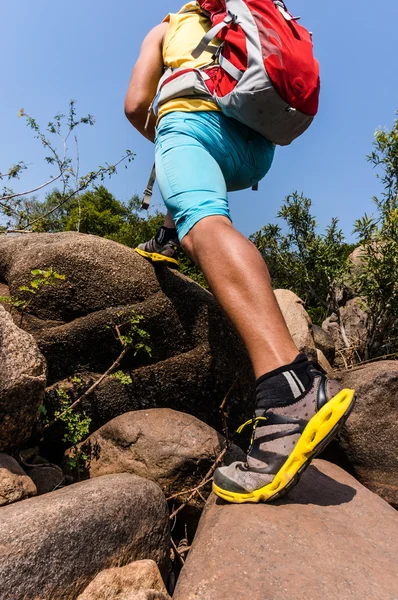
x,y
283,10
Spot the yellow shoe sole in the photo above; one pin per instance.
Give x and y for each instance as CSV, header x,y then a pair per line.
x,y
155,257
318,433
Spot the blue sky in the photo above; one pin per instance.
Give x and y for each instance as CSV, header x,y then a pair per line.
x,y
51,52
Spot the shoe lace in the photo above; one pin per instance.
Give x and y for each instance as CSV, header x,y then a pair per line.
x,y
254,423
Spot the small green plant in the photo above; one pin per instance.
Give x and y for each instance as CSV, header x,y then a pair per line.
x,y
41,279
122,377
131,335
132,338
77,427
43,413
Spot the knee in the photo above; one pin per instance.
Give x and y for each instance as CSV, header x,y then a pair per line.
x,y
206,231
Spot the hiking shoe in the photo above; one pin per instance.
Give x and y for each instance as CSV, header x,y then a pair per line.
x,y
284,441
157,252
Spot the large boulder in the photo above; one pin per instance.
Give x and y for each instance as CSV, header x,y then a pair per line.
x,y
14,483
370,436
330,538
22,383
172,448
298,321
196,353
124,583
52,546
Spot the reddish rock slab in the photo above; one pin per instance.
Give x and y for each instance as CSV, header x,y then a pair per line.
x,y
330,538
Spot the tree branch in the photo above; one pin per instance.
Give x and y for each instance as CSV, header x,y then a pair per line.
x,y
11,196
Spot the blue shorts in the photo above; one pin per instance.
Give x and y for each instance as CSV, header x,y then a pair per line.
x,y
200,156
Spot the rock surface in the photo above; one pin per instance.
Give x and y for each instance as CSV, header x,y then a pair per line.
x,y
22,383
149,595
323,362
324,342
193,368
172,448
370,436
52,546
298,321
354,319
124,583
330,538
46,478
14,483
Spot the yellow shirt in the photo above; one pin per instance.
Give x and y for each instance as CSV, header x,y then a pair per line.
x,y
185,31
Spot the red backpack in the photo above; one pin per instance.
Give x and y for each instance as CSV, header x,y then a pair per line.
x,y
264,73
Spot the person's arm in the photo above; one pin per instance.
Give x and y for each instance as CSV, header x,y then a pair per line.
x,y
144,81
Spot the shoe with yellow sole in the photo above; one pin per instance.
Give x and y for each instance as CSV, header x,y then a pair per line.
x,y
284,441
160,252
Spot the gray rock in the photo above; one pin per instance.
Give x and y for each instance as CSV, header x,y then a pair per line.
x,y
298,321
324,342
370,436
46,477
323,362
22,383
52,546
172,448
5,292
329,538
138,579
14,483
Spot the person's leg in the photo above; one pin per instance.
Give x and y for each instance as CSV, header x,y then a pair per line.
x,y
196,156
239,279
298,410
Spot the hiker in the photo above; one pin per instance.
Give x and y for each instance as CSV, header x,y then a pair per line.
x,y
201,155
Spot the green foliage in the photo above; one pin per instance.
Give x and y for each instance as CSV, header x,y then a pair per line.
x,y
76,428
42,278
77,425
132,336
303,260
122,377
376,280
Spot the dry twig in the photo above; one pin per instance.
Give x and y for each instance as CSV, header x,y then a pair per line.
x,y
224,415
177,553
206,479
